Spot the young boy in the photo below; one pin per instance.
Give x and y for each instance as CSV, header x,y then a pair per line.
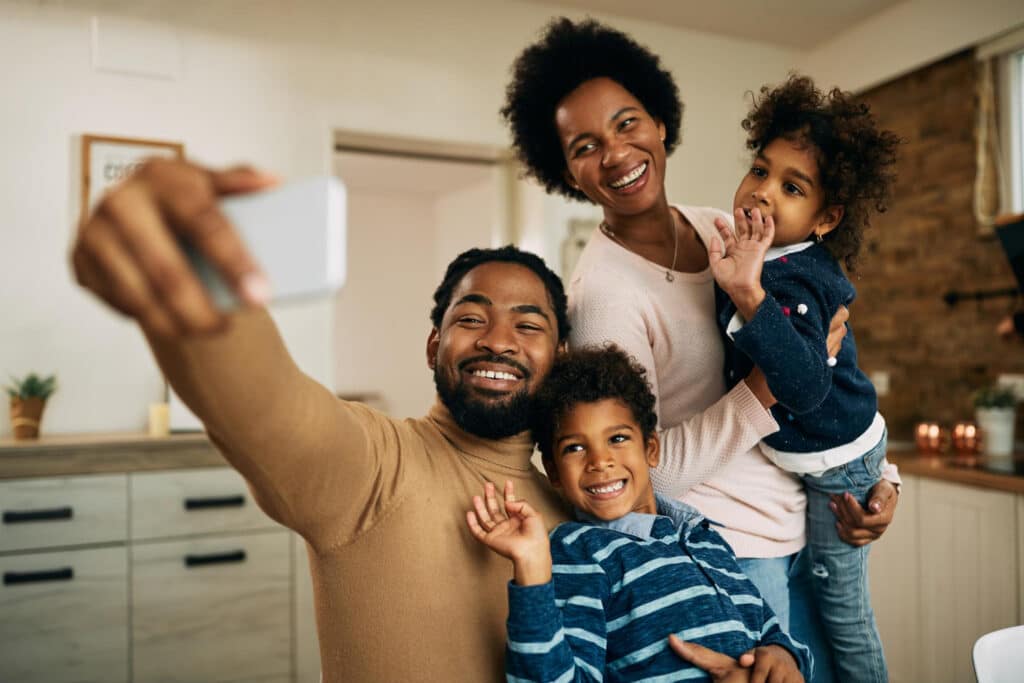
x,y
598,600
820,167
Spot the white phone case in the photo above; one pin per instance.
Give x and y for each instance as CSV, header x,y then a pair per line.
x,y
295,232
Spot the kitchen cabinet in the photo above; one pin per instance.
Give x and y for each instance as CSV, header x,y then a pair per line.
x,y
946,572
166,576
64,616
215,609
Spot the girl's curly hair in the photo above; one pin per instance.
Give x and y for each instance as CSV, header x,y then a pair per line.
x,y
567,55
589,375
856,160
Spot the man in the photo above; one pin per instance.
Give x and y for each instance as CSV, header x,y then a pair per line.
x,y
403,591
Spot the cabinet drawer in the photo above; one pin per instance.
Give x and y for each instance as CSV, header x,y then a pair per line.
x,y
61,511
195,600
64,616
190,502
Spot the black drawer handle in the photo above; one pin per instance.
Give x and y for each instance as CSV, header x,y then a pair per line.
x,y
214,502
62,574
216,558
19,516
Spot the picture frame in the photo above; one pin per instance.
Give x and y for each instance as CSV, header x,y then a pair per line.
x,y
107,160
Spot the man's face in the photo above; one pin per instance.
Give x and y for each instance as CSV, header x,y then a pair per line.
x,y
496,344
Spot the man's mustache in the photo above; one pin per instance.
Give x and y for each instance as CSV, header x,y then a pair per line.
x,y
496,360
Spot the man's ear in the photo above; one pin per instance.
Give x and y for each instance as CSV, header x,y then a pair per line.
x,y
551,471
653,454
661,130
433,342
831,216
562,348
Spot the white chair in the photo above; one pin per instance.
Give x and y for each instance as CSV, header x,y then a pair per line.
x,y
999,656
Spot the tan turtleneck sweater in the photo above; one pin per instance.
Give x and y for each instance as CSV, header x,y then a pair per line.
x,y
403,591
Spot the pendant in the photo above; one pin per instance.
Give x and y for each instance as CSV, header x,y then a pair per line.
x,y
669,277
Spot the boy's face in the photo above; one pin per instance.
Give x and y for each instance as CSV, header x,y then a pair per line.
x,y
784,183
602,461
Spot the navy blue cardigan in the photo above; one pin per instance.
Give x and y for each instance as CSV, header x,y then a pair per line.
x,y
819,407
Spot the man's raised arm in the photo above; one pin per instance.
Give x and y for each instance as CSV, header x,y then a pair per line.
x,y
279,428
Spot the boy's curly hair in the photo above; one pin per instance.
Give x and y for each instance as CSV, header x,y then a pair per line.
x,y
589,375
856,160
567,55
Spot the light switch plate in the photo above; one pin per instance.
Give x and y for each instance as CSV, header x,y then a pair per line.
x,y
880,378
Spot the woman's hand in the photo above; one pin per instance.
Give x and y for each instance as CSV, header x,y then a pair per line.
x,y
518,533
737,260
128,251
858,526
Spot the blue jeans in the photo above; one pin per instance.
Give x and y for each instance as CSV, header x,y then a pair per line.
x,y
785,584
840,571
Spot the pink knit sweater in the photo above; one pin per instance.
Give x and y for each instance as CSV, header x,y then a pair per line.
x,y
711,461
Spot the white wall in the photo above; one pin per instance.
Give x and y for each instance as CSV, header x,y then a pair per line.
x,y
267,84
905,37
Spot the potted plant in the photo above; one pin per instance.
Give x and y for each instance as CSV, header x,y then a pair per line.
x,y
996,410
28,398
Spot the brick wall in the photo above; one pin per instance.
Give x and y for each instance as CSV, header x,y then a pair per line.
x,y
926,244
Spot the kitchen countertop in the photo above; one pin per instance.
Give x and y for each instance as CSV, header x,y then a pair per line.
x,y
1000,474
63,455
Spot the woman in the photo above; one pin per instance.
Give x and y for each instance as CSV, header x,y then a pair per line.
x,y
594,117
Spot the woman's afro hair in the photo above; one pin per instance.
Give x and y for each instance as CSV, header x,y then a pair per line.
x,y
568,54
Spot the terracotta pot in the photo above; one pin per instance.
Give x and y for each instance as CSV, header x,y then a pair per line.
x,y
26,413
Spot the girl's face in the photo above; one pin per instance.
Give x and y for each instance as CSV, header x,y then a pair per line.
x,y
614,150
784,183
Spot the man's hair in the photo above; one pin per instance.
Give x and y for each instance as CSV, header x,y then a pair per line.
x,y
589,375
567,55
468,260
856,160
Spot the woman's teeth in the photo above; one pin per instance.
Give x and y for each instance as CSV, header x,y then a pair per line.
x,y
607,488
491,374
630,178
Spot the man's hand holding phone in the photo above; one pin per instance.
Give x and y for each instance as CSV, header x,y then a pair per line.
x,y
128,251
173,246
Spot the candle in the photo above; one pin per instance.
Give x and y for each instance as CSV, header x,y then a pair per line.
x,y
930,438
159,419
966,439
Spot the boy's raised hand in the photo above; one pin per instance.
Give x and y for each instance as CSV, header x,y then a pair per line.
x,y
736,260
518,533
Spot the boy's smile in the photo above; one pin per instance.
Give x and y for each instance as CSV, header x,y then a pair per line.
x,y
784,182
602,461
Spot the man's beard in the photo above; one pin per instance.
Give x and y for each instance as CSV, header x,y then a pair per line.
x,y
491,420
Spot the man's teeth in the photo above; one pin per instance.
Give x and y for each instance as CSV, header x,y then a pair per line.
x,y
608,488
491,374
630,178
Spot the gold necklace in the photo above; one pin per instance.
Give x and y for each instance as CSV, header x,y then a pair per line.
x,y
669,277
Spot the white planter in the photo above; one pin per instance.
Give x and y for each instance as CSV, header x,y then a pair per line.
x,y
996,430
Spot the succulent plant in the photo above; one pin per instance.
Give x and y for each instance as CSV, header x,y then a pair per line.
x,y
32,386
995,396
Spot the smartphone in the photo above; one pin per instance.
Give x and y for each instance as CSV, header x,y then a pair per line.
x,y
295,232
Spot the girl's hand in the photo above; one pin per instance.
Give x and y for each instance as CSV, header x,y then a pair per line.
x,y
517,533
736,260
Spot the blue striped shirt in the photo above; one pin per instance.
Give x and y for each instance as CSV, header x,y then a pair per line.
x,y
620,588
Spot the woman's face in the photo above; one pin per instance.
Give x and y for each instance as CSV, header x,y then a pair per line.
x,y
614,149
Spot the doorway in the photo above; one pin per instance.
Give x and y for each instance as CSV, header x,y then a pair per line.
x,y
409,214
